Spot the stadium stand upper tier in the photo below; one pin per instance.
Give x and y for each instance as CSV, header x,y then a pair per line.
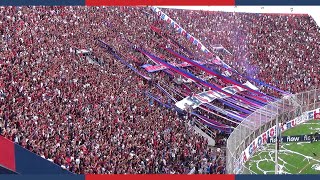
x,y
74,89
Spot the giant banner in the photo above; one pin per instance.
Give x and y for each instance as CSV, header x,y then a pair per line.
x,y
154,68
208,96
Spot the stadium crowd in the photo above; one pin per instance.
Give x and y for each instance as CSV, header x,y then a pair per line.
x,y
263,46
91,118
84,117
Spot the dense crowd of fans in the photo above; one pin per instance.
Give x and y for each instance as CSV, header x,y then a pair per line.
x,y
282,50
93,117
84,117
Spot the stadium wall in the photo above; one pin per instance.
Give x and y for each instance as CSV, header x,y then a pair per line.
x,y
255,130
15,159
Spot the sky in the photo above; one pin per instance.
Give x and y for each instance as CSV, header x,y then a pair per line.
x,y
314,11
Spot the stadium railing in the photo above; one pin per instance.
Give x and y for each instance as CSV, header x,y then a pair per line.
x,y
263,119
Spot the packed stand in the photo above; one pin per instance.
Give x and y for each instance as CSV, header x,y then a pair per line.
x,y
282,50
88,118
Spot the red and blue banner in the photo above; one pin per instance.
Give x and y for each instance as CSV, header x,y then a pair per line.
x,y
194,78
155,68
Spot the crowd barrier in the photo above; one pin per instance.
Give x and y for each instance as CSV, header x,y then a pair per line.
x,y
254,131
